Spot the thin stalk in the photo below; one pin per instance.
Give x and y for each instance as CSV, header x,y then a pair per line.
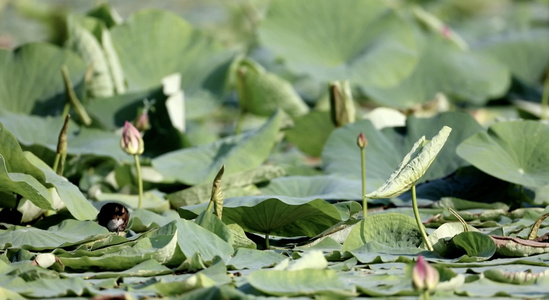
x,y
364,198
545,99
78,107
139,180
418,220
267,246
426,294
240,121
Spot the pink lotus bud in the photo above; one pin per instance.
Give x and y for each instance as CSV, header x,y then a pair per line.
x,y
424,276
446,32
131,141
142,122
361,141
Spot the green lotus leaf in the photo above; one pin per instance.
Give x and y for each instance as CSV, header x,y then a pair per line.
x,y
387,147
90,38
306,282
239,153
394,230
279,216
513,151
68,233
310,132
31,81
39,135
523,52
70,195
476,245
444,67
254,259
365,42
53,288
413,166
262,93
201,61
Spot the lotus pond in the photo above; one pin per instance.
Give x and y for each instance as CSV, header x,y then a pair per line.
x,y
299,149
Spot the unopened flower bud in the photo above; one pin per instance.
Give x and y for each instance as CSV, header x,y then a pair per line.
x,y
361,141
142,122
424,276
131,142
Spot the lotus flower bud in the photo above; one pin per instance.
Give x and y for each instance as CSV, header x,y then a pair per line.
x,y
131,141
142,122
424,276
361,141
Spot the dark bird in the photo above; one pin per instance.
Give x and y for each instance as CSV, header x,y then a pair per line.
x,y
114,216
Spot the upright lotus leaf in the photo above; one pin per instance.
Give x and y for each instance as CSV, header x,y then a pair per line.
x,y
413,166
30,78
86,35
397,231
388,146
476,245
70,195
366,42
262,93
524,52
152,44
310,132
194,239
239,153
444,67
18,175
515,151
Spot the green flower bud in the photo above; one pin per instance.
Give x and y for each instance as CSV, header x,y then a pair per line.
x,y
131,141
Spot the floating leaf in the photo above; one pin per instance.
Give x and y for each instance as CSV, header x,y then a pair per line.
x,y
514,151
393,230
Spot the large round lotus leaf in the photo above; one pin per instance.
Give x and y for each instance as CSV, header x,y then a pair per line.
x,y
239,153
387,147
307,282
514,151
523,52
443,67
391,229
152,44
281,216
363,41
31,81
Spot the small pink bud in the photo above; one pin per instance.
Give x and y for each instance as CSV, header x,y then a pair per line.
x,y
424,276
131,141
361,141
142,122
446,32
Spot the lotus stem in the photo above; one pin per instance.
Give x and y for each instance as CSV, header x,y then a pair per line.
x,y
418,220
545,98
80,110
426,295
267,246
363,167
139,180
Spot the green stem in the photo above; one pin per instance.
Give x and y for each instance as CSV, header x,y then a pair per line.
x,y
267,246
139,180
240,121
545,99
418,220
364,199
426,295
